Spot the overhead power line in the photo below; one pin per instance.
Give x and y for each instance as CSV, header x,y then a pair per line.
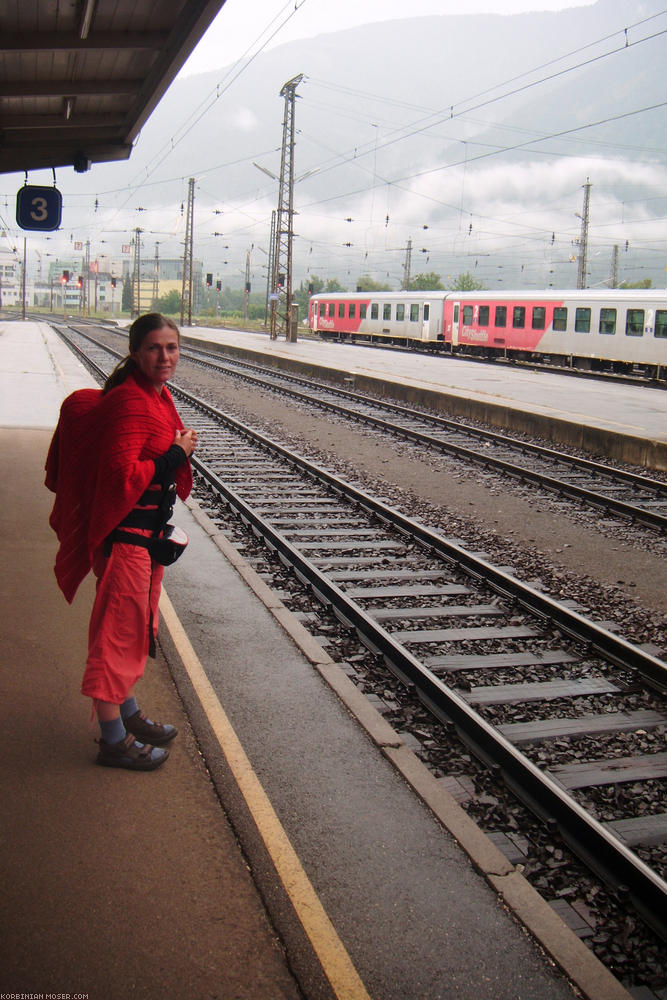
x,y
457,110
221,88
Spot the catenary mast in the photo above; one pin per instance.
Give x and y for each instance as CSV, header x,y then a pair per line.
x,y
583,238
186,289
281,277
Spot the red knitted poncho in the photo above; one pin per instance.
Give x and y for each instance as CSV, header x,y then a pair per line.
x,y
99,464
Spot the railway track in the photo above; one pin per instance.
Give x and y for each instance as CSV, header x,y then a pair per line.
x,y
633,497
639,378
523,678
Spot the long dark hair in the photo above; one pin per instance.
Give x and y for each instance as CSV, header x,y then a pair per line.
x,y
142,326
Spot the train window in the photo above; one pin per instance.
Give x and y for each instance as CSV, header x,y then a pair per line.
x,y
634,323
427,311
483,316
400,311
352,310
560,319
386,310
501,315
607,320
539,317
455,318
362,311
467,315
414,312
341,310
374,310
519,317
322,308
660,323
332,310
582,320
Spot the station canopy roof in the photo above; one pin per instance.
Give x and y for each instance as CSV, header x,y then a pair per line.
x,y
79,78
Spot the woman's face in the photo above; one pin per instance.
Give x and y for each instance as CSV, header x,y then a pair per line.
x,y
158,355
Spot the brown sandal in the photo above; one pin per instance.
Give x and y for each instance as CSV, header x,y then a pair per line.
x,y
130,754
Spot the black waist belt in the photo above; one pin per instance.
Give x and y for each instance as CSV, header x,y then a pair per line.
x,y
154,508
164,550
151,519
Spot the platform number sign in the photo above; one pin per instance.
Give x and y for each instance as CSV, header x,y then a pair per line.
x,y
39,208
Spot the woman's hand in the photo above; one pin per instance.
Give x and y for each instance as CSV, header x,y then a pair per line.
x,y
187,440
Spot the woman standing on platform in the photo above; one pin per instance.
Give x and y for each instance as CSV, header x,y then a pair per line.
x,y
118,457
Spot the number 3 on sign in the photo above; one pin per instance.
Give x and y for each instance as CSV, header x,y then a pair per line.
x,y
39,208
39,211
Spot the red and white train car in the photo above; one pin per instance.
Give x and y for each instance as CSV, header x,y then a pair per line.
x,y
594,329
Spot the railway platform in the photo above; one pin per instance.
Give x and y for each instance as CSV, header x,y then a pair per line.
x,y
291,847
627,423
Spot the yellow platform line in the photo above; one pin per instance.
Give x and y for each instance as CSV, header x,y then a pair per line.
x,y
332,955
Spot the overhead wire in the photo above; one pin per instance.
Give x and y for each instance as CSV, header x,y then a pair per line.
x,y
448,114
230,77
401,134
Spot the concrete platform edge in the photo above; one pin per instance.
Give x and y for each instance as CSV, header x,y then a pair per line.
x,y
563,946
648,454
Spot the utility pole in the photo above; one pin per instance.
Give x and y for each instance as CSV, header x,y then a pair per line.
x,y
270,303
406,266
186,291
136,275
86,280
156,273
282,260
246,292
614,267
23,276
583,238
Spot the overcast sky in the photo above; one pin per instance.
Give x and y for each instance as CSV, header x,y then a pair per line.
x,y
244,25
511,217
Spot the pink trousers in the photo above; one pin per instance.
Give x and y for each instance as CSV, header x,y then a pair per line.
x,y
125,609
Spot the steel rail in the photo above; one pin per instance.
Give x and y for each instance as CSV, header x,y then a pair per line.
x,y
648,381
555,485
600,850
542,794
496,437
618,650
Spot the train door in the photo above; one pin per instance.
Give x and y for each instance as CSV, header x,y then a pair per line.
x,y
426,315
314,313
456,315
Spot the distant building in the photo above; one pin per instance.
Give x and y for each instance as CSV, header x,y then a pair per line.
x,y
10,279
161,277
64,286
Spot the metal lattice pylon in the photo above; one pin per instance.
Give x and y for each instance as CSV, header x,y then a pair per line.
x,y
186,289
281,272
156,273
583,239
136,275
